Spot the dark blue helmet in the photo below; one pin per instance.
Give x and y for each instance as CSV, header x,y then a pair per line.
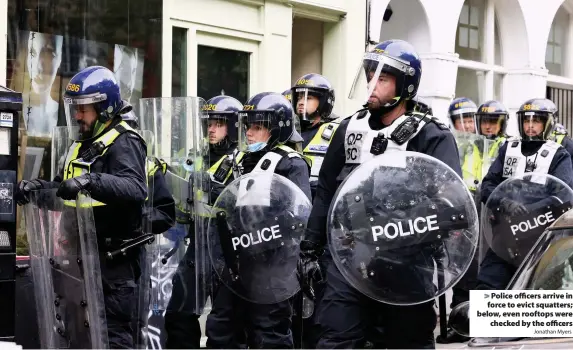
x,y
493,112
226,109
94,85
463,107
536,111
394,57
287,94
314,85
271,110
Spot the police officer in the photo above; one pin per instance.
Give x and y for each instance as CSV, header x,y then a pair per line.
x,y
535,122
559,133
491,121
266,122
159,216
115,179
181,319
287,94
161,213
385,108
462,114
313,101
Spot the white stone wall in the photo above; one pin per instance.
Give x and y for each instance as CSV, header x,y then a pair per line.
x,y
264,28
430,25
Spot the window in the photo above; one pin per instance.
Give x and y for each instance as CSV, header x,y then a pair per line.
x,y
469,84
556,43
470,30
480,75
222,72
179,58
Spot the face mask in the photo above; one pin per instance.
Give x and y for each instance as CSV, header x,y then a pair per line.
x,y
257,146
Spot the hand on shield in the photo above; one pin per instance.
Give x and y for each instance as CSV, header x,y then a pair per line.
x,y
70,188
308,269
24,188
512,208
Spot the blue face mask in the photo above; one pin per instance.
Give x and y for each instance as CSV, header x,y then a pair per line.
x,y
257,146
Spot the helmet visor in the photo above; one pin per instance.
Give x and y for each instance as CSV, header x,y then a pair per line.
x,y
255,130
464,122
81,111
534,126
373,67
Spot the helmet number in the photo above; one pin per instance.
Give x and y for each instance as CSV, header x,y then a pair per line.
x,y
73,88
248,107
304,82
209,107
531,107
486,109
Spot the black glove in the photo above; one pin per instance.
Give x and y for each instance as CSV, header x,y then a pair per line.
x,y
70,188
512,208
22,195
308,269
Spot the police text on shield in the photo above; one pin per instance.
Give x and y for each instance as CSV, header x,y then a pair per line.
x,y
540,220
418,225
263,235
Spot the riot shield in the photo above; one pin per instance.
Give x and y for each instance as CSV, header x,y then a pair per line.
x,y
178,127
258,224
519,210
62,138
403,228
66,271
471,148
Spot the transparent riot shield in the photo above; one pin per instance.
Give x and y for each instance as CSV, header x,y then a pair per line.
x,y
259,221
149,138
62,138
403,228
174,123
471,148
519,210
177,258
65,266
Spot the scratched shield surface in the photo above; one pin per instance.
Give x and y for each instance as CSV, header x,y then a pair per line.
x,y
403,228
519,210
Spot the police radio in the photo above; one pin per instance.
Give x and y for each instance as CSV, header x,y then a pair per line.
x,y
327,132
223,170
405,130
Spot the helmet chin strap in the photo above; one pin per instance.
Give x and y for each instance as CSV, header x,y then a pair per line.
x,y
387,107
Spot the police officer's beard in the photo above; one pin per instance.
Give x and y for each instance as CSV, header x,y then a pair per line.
x,y
86,131
380,108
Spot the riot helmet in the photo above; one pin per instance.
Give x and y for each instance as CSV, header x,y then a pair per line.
x,y
535,119
287,94
491,119
265,122
312,96
391,58
222,112
462,114
92,98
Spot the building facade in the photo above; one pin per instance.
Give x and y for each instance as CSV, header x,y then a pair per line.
x,y
509,50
